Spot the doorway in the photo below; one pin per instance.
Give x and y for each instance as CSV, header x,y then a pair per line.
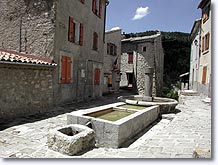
x,y
130,79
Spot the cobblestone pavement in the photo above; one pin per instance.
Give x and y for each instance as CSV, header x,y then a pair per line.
x,y
174,136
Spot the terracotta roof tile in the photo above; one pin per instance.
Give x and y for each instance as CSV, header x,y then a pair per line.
x,y
12,56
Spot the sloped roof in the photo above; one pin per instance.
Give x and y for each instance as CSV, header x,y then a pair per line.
x,y
15,57
203,3
132,39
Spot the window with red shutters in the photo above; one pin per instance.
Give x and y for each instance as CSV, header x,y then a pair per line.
x,y
95,41
71,33
76,31
111,49
97,7
97,76
66,68
130,58
205,43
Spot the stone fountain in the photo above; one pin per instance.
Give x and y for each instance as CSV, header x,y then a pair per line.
x,y
166,105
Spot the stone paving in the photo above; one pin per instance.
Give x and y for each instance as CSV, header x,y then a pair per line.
x,y
174,136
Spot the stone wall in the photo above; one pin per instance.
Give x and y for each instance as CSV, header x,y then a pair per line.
x,y
25,89
28,23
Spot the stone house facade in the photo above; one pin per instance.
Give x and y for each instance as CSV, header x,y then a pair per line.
x,y
26,84
205,79
137,54
112,53
203,44
71,33
195,55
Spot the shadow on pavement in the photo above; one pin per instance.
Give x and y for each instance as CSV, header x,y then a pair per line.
x,y
64,108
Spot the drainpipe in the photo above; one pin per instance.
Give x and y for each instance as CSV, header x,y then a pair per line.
x,y
136,71
105,11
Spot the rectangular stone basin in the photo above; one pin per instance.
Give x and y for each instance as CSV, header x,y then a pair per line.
x,y
71,139
115,132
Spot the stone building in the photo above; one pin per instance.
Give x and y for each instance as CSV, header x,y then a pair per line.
x,y
195,55
69,32
138,54
112,53
25,85
203,45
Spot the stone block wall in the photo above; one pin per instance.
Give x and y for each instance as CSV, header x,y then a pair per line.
x,y
28,23
24,90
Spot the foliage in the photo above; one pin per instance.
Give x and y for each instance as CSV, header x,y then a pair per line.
x,y
170,93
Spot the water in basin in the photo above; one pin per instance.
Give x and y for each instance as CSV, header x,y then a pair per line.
x,y
110,114
135,107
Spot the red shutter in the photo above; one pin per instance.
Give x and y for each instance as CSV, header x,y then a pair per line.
x,y
63,69
81,35
94,6
100,8
97,76
95,41
130,58
202,44
68,68
71,36
204,75
208,41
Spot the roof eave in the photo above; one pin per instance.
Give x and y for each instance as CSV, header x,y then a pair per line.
x,y
203,3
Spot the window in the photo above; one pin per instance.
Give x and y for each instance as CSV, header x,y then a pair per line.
x,y
111,49
130,58
75,34
144,49
97,7
97,76
66,69
204,75
205,42
206,14
82,1
95,41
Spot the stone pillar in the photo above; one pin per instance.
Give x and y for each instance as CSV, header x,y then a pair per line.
x,y
148,84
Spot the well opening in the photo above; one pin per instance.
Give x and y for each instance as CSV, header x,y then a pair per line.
x,y
68,131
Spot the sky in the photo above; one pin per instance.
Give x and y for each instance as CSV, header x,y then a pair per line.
x,y
144,15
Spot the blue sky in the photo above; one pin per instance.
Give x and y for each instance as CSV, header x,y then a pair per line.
x,y
164,15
